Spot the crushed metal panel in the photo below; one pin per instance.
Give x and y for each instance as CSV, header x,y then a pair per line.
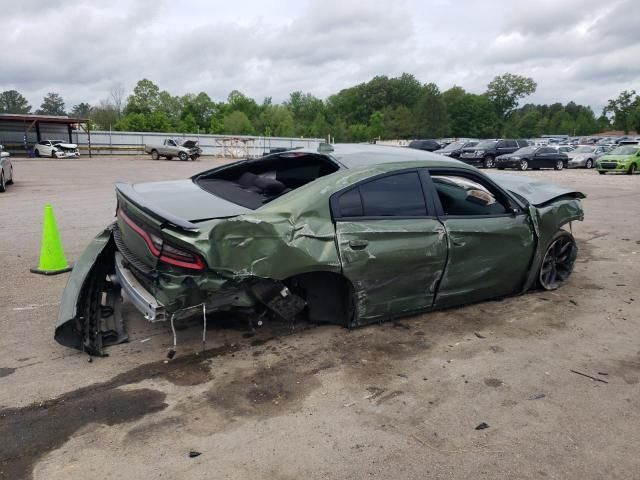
x,y
393,264
488,257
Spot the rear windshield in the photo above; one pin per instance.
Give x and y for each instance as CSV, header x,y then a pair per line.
x,y
253,183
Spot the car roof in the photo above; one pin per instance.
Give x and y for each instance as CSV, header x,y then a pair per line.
x,y
363,155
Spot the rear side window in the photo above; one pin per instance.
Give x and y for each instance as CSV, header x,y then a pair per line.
x,y
391,196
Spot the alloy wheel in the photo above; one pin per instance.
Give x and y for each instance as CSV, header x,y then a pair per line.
x,y
524,165
558,262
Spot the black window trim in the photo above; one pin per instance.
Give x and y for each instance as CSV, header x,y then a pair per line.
x,y
422,174
482,180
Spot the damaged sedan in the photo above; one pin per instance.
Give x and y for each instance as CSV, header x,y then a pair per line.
x,y
345,234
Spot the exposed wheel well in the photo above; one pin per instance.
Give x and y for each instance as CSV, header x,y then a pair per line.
x,y
329,296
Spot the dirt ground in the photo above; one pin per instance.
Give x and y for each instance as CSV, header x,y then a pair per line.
x,y
397,400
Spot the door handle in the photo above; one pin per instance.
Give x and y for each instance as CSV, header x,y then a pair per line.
x,y
358,244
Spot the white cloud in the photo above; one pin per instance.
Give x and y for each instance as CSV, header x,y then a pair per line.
x,y
580,50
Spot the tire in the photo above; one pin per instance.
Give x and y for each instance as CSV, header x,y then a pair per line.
x,y
488,162
632,169
3,185
588,163
183,156
155,155
36,152
10,181
602,173
558,261
524,165
559,165
53,154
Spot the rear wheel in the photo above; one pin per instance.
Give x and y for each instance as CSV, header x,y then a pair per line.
x,y
36,152
3,185
559,165
155,155
523,165
632,169
558,261
488,162
10,180
589,163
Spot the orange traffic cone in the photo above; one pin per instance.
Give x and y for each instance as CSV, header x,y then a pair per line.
x,y
52,259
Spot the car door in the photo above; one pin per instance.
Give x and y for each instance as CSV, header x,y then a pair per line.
x,y
491,241
391,245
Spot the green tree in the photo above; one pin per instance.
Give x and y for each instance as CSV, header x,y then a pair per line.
x,y
276,120
81,110
376,125
12,101
237,123
430,113
132,122
239,102
157,122
52,104
144,99
200,107
105,115
398,122
622,109
506,90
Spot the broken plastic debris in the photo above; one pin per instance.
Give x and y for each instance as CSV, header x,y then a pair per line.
x,y
482,426
193,454
536,396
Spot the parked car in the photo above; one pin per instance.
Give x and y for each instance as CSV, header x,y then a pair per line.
x,y
172,147
426,145
6,169
484,153
533,157
454,149
55,149
351,234
622,159
564,148
585,156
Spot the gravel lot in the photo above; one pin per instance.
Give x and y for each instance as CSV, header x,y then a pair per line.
x,y
396,400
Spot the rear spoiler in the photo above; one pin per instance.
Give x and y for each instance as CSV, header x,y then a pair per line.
x,y
127,191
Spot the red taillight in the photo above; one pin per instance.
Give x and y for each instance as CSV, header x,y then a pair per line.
x,y
165,251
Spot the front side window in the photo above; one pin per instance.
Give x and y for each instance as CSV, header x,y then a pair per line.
x,y
397,195
462,196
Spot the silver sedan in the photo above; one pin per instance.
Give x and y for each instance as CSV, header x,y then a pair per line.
x,y
6,169
585,156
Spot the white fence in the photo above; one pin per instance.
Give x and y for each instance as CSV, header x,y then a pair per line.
x,y
234,146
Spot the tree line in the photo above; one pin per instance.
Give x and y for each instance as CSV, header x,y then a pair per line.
x,y
382,108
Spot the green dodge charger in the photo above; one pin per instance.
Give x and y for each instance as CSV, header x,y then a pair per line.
x,y
345,234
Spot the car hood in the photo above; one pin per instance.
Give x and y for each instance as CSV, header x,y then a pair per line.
x,y
185,200
533,190
67,145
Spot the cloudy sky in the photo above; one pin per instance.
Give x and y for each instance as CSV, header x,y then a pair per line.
x,y
581,50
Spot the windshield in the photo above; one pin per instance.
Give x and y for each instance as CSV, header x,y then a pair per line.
x,y
625,150
583,150
486,144
452,146
525,151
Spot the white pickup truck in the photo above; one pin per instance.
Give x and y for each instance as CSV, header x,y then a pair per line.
x,y
171,147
